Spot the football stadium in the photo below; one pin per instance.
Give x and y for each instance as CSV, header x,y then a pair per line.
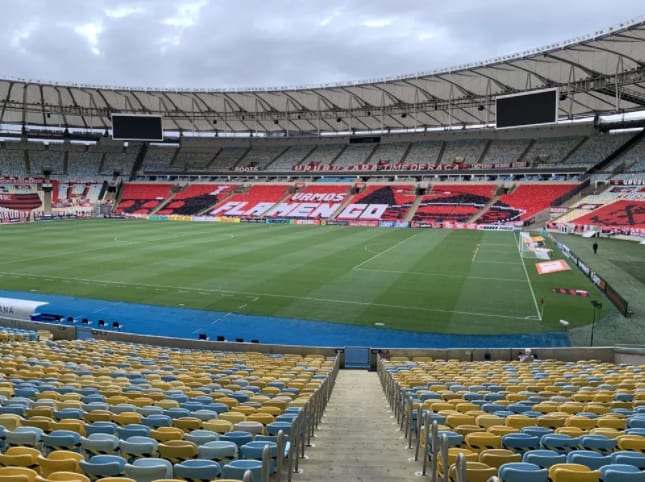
x,y
434,276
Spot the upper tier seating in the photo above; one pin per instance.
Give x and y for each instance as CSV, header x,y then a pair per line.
x,y
389,153
292,156
424,151
121,162
596,148
635,157
467,150
196,198
324,154
82,164
551,150
50,160
142,198
261,156
12,161
355,154
227,157
505,151
159,159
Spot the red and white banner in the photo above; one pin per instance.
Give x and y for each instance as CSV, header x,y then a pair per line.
x,y
554,266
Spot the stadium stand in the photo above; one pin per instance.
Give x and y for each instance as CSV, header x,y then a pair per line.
x,y
290,157
391,153
425,151
398,197
467,151
81,164
551,150
324,154
13,159
121,162
261,156
75,197
634,158
547,413
46,159
116,389
505,151
453,202
619,214
530,199
355,154
227,157
142,198
314,201
196,198
251,201
596,148
159,159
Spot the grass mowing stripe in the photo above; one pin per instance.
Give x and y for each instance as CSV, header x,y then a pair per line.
x,y
519,253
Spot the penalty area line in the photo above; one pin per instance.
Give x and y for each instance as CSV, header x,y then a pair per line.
x,y
381,253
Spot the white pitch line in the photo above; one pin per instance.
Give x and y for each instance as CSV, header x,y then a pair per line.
x,y
276,295
441,275
380,253
537,308
494,262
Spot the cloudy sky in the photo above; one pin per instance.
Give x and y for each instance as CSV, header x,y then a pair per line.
x,y
272,43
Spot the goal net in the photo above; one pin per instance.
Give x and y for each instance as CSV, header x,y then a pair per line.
x,y
533,247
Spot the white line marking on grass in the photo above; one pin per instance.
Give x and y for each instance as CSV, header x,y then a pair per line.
x,y
290,297
496,262
441,275
242,306
537,308
380,253
475,252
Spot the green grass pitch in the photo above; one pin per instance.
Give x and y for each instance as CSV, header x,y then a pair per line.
x,y
422,280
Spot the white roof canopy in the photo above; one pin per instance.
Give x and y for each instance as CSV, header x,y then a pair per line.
x,y
598,74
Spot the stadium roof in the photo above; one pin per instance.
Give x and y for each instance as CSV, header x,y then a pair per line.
x,y
603,73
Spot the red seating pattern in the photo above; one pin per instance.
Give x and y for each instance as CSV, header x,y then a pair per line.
x,y
453,202
399,199
530,199
138,198
196,198
618,214
245,203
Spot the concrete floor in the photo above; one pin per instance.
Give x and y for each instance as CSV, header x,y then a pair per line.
x,y
358,439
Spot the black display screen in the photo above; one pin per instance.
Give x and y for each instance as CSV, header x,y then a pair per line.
x,y
527,109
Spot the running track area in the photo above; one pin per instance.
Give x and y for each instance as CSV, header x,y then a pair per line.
x,y
190,323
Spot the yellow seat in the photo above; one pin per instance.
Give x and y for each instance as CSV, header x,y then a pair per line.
x,y
20,457
498,457
475,472
177,451
59,461
573,473
453,452
164,434
584,423
631,442
478,441
187,424
217,425
519,421
502,429
233,417
15,474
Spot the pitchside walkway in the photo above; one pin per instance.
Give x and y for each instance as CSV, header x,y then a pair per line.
x,y
358,439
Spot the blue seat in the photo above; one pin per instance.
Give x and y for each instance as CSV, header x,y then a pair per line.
x,y
101,427
198,469
617,468
61,440
237,468
274,427
454,439
149,469
559,442
24,436
629,457
201,436
520,442
620,473
103,466
69,413
99,444
523,472
138,446
255,449
598,443
218,450
157,420
536,430
544,458
592,459
132,430
238,437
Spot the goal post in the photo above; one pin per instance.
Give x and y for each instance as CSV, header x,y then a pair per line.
x,y
532,246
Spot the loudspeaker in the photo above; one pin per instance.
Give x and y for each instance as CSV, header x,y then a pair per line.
x,y
47,172
85,321
101,322
202,336
255,340
70,319
239,340
116,325
220,338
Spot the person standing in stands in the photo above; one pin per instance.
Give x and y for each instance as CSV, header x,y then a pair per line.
x,y
595,247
